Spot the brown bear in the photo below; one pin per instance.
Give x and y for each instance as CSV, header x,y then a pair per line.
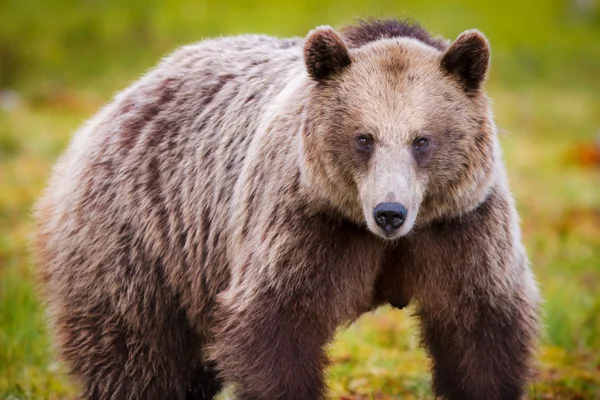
x,y
225,214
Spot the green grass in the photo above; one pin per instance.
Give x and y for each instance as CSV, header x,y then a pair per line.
x,y
65,60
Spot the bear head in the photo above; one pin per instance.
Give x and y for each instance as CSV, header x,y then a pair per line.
x,y
397,131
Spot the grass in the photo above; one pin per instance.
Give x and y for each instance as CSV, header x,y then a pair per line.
x,y
65,60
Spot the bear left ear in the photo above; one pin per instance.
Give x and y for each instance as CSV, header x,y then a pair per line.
x,y
325,53
468,59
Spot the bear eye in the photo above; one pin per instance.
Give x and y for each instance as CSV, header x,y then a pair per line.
x,y
365,142
421,143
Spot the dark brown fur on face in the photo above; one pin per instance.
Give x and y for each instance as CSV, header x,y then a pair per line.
x,y
208,227
372,30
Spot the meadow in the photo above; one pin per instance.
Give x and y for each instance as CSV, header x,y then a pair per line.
x,y
61,60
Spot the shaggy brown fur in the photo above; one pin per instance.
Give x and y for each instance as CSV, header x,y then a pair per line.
x,y
372,30
215,223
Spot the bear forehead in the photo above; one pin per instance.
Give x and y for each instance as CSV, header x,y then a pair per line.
x,y
396,55
393,72
393,47
397,86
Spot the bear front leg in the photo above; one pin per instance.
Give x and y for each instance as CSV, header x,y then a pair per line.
x,y
478,303
483,352
273,351
286,299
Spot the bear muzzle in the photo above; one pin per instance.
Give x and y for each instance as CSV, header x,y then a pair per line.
x,y
390,216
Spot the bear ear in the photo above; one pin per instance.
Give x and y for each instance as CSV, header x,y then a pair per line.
x,y
468,59
325,53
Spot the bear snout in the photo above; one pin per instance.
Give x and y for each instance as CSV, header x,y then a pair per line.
x,y
390,216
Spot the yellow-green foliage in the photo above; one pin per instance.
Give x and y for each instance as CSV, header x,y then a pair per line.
x,y
63,59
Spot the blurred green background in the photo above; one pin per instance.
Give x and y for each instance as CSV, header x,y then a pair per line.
x,y
61,60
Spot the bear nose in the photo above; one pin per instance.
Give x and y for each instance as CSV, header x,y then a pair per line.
x,y
390,216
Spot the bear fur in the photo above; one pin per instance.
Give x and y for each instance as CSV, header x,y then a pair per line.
x,y
215,223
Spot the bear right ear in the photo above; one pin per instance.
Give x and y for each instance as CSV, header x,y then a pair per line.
x,y
325,53
468,59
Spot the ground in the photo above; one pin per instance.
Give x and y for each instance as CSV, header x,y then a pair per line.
x,y
545,86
